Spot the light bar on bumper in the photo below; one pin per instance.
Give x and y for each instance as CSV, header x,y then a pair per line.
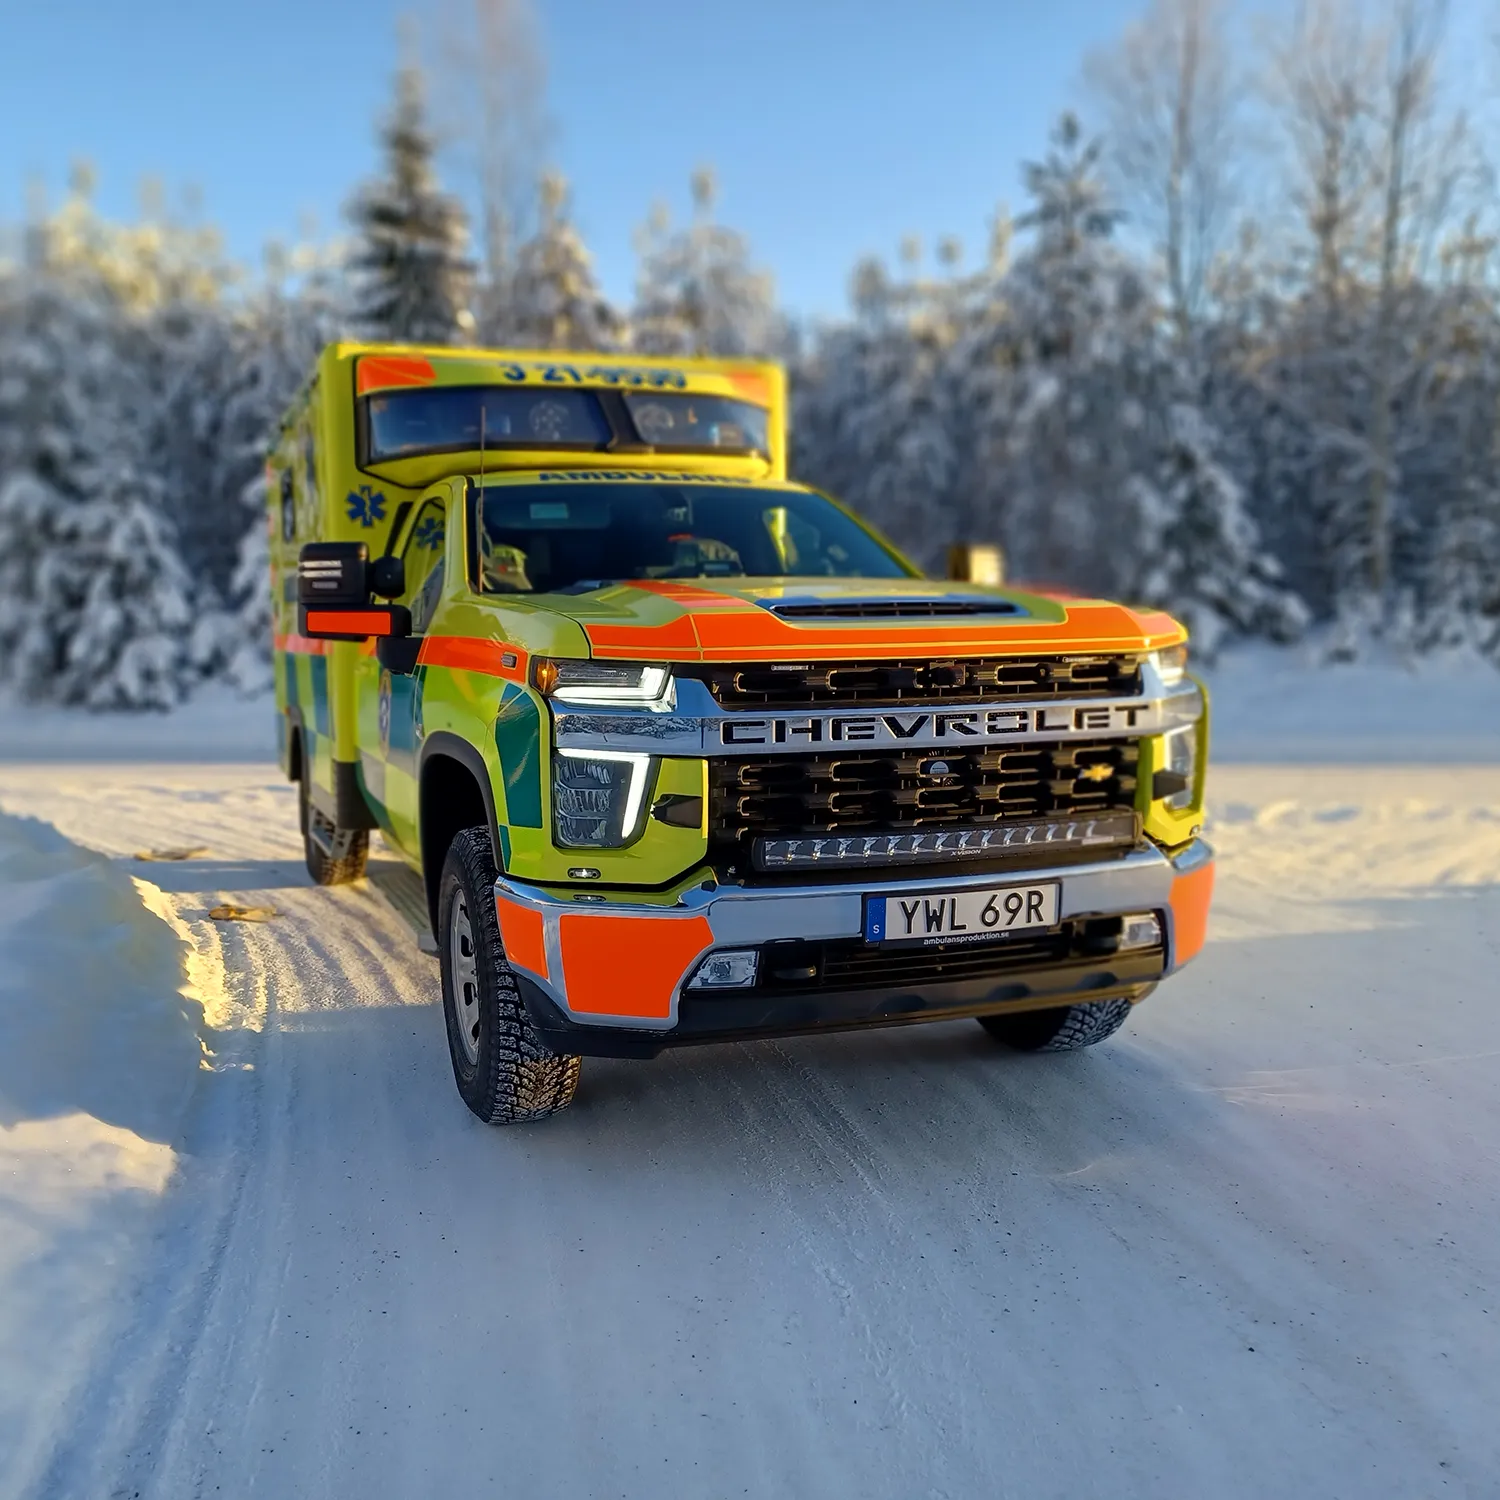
x,y
1059,835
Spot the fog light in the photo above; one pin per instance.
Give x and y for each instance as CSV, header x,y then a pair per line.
x,y
1142,930
733,969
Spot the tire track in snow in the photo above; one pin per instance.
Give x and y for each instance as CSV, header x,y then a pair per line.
x,y
896,1264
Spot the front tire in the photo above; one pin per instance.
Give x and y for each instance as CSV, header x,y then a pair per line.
x,y
1063,1029
504,1071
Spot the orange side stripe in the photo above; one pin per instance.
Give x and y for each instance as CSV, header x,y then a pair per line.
x,y
628,966
303,645
472,654
1191,895
386,370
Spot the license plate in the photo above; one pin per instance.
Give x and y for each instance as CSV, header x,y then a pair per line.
x,y
970,916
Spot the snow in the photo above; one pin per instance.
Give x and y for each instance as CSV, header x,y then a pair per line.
x,y
1244,1248
1277,705
99,1053
215,724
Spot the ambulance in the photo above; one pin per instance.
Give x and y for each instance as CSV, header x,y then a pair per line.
x,y
683,751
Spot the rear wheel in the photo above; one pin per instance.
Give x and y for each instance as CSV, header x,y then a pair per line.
x,y
505,1073
334,856
1064,1029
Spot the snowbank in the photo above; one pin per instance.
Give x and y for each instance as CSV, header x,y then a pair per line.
x,y
99,1053
215,724
1277,705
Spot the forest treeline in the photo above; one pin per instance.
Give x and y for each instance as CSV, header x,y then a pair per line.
x,y
1272,421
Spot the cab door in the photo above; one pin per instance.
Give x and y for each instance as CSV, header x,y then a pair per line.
x,y
391,701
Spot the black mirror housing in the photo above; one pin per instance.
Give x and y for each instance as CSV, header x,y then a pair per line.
x,y
387,577
332,575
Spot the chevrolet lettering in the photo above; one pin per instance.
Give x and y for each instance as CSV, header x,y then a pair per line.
x,y
671,749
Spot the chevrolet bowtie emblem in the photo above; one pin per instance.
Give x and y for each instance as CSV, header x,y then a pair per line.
x,y
1097,772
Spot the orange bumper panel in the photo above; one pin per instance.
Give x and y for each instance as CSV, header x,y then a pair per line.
x,y
1190,899
523,932
628,966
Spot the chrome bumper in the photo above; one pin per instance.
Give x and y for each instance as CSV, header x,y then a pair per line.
x,y
563,944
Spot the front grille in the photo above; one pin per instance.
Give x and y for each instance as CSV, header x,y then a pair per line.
x,y
870,793
892,683
888,609
852,964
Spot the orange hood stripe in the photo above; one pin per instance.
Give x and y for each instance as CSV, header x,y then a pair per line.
x,y
755,634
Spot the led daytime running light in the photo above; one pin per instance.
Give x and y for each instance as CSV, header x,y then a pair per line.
x,y
635,793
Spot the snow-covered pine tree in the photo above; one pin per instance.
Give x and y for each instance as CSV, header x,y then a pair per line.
x,y
1450,544
1092,455
412,279
1055,380
697,292
1202,554
554,297
94,602
871,418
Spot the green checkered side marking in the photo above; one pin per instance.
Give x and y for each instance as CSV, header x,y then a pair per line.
x,y
318,671
518,738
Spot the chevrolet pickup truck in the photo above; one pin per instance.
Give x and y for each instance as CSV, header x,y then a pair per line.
x,y
683,751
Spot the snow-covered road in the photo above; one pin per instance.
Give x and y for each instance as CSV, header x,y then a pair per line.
x,y
1248,1248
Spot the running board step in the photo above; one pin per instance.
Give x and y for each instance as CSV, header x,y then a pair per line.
x,y
403,890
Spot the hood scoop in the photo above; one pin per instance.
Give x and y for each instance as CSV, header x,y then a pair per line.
x,y
940,607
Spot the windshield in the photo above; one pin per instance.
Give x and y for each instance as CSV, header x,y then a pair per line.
x,y
572,536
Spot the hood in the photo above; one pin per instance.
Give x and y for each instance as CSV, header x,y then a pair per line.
x,y
822,619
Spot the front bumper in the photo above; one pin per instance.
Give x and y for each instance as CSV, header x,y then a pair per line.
x,y
607,976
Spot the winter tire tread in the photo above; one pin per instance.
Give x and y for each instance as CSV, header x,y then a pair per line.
x,y
1063,1029
517,1078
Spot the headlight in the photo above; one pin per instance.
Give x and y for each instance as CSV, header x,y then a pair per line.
x,y
602,681
597,797
1170,663
1181,765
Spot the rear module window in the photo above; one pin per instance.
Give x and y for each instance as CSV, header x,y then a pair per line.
x,y
696,423
461,419
453,419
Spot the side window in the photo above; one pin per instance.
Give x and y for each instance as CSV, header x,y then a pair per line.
x,y
288,507
424,564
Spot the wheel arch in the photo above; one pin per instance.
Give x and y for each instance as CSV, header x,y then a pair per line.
x,y
296,746
454,792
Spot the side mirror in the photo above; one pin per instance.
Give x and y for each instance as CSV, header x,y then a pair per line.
x,y
333,596
387,577
976,562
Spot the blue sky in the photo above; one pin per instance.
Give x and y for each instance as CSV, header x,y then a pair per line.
x,y
836,126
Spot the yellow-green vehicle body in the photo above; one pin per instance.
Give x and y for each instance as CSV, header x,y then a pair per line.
x,y
822,745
